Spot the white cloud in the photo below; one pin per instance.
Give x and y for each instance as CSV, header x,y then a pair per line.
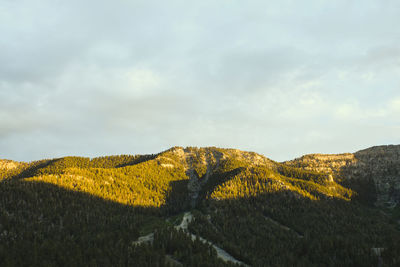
x,y
280,78
394,105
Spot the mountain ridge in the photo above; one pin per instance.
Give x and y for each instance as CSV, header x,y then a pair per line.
x,y
317,210
379,163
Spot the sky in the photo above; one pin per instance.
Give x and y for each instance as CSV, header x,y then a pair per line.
x,y
281,78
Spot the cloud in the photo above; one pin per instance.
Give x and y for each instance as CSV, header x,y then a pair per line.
x,y
280,78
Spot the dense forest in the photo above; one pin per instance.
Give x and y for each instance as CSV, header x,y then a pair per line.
x,y
77,211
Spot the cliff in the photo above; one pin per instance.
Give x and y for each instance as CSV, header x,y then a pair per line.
x,y
379,164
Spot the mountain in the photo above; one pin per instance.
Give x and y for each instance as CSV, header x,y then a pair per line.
x,y
202,207
377,167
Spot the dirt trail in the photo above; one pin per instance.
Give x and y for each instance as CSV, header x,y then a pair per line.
x,y
222,254
187,218
144,239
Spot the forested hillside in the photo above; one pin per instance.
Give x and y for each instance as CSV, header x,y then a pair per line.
x,y
240,208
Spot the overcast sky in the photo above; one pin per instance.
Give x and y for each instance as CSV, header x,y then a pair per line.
x,y
281,78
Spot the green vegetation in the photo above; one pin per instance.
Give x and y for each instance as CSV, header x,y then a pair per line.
x,y
292,222
302,174
76,211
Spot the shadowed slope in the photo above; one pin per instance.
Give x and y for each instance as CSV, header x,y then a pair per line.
x,y
42,224
270,223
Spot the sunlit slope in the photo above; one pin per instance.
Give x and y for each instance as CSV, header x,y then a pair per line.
x,y
252,182
9,168
240,176
133,180
145,184
154,180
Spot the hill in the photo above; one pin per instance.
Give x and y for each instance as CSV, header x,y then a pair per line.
x,y
376,168
202,207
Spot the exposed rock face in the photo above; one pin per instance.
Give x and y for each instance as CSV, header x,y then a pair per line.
x,y
326,163
210,156
380,164
201,163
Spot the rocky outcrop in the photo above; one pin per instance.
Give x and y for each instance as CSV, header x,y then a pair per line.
x,y
201,163
325,163
380,164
